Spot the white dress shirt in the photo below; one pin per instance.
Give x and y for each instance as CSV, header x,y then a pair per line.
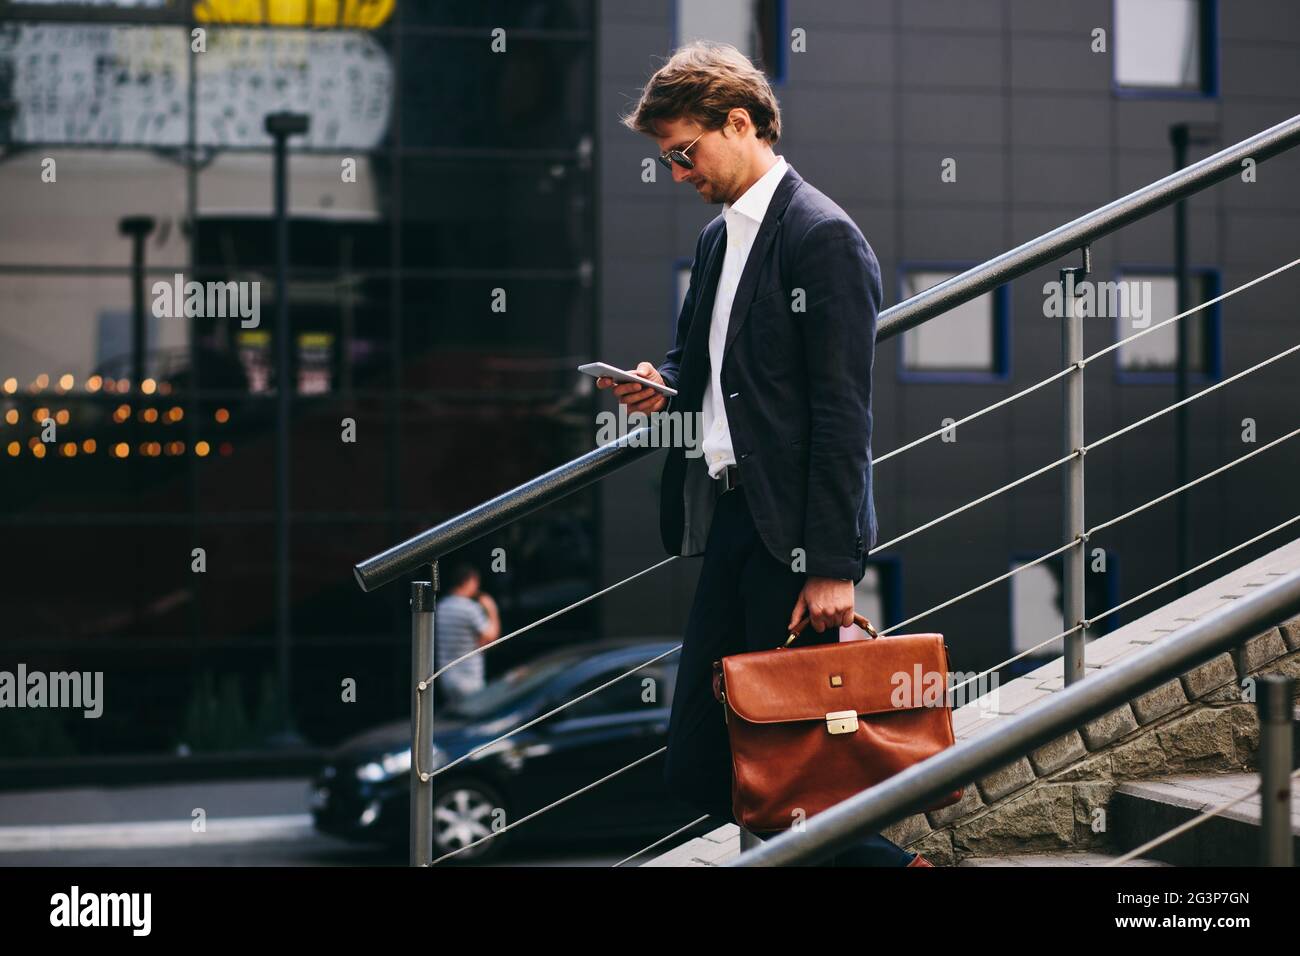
x,y
743,219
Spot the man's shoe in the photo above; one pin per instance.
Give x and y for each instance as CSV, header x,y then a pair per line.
x,y
919,860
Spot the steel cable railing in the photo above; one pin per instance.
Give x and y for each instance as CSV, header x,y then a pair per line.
x,y
428,546
977,414
1083,624
423,685
1057,376
1079,452
1119,607
1106,524
954,688
951,690
550,806
425,776
483,648
1084,537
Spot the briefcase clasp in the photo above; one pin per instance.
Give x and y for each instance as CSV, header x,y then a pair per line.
x,y
841,721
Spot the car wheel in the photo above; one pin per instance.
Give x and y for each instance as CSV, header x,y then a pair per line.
x,y
463,813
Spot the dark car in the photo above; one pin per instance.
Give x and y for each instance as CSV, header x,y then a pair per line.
x,y
362,793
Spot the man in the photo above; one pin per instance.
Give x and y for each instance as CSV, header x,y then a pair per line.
x,y
463,620
774,349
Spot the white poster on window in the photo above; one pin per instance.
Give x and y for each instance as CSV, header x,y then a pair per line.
x,y
105,84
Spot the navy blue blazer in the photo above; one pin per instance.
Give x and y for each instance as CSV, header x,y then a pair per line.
x,y
796,382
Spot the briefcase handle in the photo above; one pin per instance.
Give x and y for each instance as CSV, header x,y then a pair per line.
x,y
858,619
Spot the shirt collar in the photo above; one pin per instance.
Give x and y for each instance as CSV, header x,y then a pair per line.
x,y
753,204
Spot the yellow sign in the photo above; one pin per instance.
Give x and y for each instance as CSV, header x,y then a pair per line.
x,y
364,14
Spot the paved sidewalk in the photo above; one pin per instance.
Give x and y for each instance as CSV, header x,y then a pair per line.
x,y
156,815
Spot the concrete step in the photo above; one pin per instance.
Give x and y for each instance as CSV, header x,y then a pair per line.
x,y
1142,810
712,849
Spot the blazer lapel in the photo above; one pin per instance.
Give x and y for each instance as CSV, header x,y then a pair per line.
x,y
758,254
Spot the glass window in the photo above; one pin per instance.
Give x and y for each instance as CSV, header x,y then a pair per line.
x,y
426,182
458,93
1158,351
1159,44
1036,608
964,339
1038,604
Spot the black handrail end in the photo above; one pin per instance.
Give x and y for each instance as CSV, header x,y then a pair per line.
x,y
361,581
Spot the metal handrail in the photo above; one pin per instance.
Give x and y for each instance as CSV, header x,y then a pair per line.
x,y
481,649
424,548
952,690
1082,625
901,794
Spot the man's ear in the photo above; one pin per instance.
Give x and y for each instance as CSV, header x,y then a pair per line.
x,y
737,121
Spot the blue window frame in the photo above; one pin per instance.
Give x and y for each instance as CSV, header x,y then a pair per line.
x,y
1147,33
1206,364
929,353
758,28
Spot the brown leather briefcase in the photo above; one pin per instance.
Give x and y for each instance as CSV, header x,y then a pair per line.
x,y
811,726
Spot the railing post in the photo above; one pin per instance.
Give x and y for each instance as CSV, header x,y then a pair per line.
x,y
1240,662
1072,578
1273,704
424,594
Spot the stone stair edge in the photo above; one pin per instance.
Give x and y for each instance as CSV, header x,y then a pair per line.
x,y
1286,555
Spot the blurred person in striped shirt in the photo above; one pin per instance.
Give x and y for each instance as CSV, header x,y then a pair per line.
x,y
465,619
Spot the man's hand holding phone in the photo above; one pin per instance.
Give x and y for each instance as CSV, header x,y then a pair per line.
x,y
637,397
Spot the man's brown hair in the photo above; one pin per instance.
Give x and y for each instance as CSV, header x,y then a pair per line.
x,y
705,81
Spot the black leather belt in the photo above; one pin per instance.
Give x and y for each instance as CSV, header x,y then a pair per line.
x,y
727,479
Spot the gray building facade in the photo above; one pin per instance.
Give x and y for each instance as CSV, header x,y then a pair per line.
x,y
1041,127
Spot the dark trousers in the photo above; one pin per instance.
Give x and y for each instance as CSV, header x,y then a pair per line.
x,y
742,603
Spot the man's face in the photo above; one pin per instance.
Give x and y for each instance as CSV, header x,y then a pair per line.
x,y
716,155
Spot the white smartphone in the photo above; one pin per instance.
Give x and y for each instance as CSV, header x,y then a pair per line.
x,y
598,369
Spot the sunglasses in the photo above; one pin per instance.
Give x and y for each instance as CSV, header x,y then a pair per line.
x,y
679,156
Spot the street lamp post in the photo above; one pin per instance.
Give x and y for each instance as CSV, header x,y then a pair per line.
x,y
281,126
137,229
